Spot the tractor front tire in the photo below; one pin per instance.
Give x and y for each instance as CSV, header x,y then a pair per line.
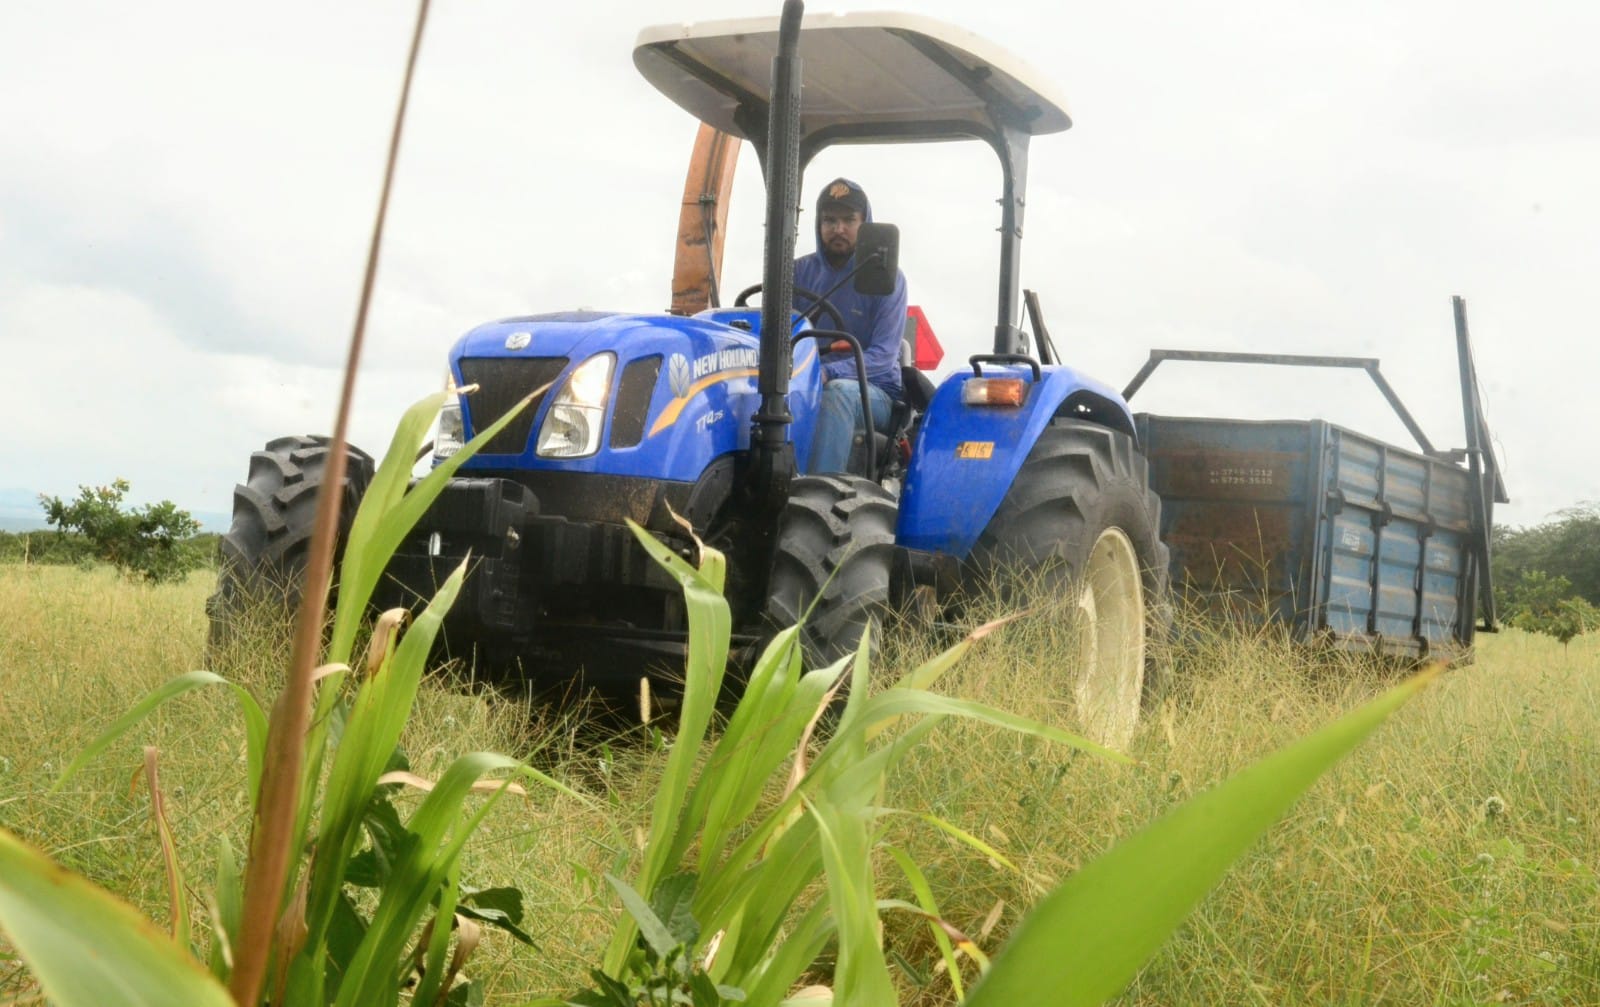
x,y
264,555
1081,515
833,553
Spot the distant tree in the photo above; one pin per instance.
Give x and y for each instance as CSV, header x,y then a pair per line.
x,y
147,542
1540,603
1567,547
53,548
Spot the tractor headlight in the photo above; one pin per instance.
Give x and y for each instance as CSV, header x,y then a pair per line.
x,y
449,433
571,428
452,435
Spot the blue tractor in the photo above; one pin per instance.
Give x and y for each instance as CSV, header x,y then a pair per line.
x,y
707,420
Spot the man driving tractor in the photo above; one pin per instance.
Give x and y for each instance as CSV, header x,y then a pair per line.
x,y
878,322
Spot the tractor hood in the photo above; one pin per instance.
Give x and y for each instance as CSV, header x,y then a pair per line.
x,y
680,390
554,334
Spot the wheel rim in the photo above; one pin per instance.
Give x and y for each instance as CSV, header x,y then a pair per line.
x,y
1111,600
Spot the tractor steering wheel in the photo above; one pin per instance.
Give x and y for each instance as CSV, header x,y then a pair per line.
x,y
818,304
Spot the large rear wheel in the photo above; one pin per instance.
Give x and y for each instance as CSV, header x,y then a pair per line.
x,y
1081,515
833,553
267,547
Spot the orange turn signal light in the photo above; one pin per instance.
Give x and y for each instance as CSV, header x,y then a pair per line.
x,y
994,392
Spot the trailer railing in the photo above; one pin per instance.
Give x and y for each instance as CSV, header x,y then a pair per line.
x,y
1478,456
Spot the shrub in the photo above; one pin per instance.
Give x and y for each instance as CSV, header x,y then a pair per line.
x,y
1540,603
147,542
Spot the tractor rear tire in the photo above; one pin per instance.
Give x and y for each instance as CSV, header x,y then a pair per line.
x,y
833,554
1081,515
263,556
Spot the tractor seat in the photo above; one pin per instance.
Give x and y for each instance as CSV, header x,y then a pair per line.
x,y
916,388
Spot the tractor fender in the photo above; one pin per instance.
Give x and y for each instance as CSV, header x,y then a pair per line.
x,y
966,457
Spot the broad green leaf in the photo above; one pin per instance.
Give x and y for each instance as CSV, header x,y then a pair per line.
x,y
671,903
442,828
844,820
498,907
363,559
757,742
654,931
87,948
1086,940
386,515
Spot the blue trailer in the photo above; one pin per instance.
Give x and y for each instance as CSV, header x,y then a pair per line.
x,y
1351,542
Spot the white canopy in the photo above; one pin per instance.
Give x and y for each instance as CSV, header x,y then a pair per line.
x,y
867,76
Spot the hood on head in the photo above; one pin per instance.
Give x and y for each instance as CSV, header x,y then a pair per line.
x,y
840,190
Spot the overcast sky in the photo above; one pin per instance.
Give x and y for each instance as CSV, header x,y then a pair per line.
x,y
186,191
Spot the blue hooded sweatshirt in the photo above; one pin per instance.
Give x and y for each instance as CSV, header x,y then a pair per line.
x,y
878,322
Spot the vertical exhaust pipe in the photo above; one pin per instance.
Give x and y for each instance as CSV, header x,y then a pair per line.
x,y
773,454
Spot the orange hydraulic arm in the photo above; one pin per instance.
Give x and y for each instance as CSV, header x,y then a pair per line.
x,y
702,221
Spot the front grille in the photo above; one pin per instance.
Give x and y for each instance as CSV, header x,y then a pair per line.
x,y
502,383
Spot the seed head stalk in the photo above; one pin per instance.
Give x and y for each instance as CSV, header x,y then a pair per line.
x,y
271,834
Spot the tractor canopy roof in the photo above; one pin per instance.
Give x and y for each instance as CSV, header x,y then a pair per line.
x,y
869,78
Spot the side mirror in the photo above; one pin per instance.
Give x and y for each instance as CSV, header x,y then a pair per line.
x,y
878,259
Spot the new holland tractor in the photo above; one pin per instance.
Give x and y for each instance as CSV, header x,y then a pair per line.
x,y
1019,459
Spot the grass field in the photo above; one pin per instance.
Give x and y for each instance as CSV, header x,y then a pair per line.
x,y
1452,860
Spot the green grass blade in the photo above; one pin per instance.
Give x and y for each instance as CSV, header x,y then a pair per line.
x,y
762,735
1086,940
930,908
386,515
895,703
254,722
88,949
229,909
388,511
378,716
709,628
959,834
805,940
363,562
861,975
434,972
255,740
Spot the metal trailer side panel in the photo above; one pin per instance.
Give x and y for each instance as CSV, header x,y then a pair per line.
x,y
1346,539
1402,573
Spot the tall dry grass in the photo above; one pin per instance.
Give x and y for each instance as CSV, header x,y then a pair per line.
x,y
1451,860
